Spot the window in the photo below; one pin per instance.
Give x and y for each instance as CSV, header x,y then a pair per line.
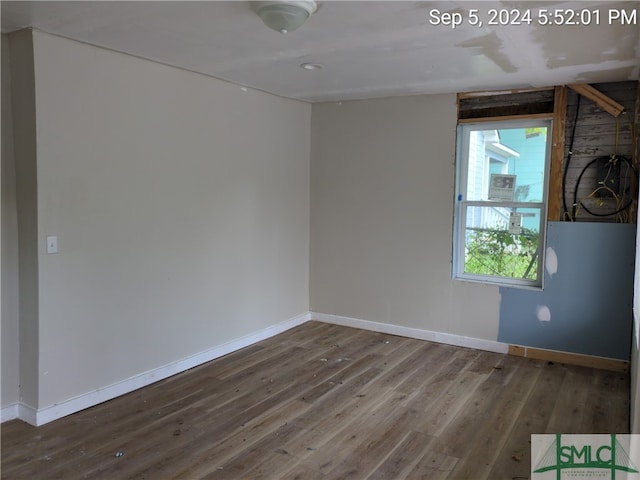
x,y
501,193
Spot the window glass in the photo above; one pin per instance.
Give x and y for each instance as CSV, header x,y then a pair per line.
x,y
502,242
501,202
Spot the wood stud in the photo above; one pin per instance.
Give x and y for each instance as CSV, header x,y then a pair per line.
x,y
554,203
607,104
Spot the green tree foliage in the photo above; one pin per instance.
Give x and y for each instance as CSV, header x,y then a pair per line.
x,y
500,253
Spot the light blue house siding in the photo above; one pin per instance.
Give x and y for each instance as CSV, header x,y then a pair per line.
x,y
531,145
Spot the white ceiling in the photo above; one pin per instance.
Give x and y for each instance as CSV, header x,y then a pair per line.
x,y
368,49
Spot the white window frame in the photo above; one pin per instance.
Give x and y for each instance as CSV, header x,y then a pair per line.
x,y
461,203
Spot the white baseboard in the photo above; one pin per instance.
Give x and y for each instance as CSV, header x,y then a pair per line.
x,y
28,414
73,405
10,412
18,410
89,399
439,337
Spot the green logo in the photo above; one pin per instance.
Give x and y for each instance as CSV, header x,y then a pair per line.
x,y
584,456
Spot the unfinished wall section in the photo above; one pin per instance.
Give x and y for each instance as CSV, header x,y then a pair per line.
x,y
586,304
597,185
590,297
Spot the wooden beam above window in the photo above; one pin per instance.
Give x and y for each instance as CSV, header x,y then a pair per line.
x,y
504,105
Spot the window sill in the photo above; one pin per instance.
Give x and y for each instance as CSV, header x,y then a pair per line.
x,y
501,284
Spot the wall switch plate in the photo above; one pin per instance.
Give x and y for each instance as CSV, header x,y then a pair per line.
x,y
52,244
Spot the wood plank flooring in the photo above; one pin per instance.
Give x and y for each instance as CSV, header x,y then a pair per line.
x,y
327,402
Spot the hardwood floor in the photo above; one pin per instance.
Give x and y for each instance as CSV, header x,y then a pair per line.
x,y
328,402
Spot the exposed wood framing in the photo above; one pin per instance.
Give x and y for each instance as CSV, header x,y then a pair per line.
x,y
503,118
607,104
501,92
603,130
554,204
522,109
504,105
570,358
599,134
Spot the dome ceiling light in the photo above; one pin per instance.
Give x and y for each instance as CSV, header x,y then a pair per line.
x,y
284,16
311,66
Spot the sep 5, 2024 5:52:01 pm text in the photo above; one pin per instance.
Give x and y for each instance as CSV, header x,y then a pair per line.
x,y
534,17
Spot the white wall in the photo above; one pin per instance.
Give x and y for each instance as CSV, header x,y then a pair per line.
x,y
635,388
9,240
24,147
382,186
181,206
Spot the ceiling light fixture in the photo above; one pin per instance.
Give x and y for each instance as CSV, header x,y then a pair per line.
x,y
284,16
311,66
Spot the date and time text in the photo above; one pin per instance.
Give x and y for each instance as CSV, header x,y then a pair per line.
x,y
534,17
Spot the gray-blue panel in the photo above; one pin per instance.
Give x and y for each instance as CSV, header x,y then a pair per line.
x,y
590,297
